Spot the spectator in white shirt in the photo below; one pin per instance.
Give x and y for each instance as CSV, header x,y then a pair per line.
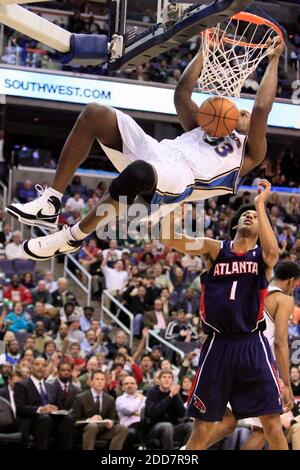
x,y
115,278
129,407
13,250
75,203
51,285
112,254
8,391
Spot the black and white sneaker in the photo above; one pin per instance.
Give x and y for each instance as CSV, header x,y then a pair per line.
x,y
42,212
58,243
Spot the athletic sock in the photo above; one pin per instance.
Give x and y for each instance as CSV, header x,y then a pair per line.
x,y
77,234
55,193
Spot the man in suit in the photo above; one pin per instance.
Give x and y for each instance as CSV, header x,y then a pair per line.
x,y
7,392
7,422
35,401
97,405
156,318
63,384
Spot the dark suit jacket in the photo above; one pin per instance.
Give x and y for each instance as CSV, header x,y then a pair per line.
x,y
57,299
84,406
150,319
28,399
5,393
66,402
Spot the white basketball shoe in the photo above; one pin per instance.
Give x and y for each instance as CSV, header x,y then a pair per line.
x,y
58,243
42,212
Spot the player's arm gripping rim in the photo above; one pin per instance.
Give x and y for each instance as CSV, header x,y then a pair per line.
x,y
257,143
186,108
281,348
268,240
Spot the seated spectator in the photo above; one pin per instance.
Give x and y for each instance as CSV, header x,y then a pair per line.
x,y
18,321
162,281
62,295
49,350
28,280
120,341
16,292
112,254
61,341
5,370
75,203
178,280
167,304
14,250
129,406
69,308
93,343
35,401
13,352
156,357
27,356
190,303
295,380
98,280
7,392
76,186
115,277
40,314
26,192
137,303
96,405
85,319
75,356
51,285
186,386
75,335
156,318
40,337
91,366
88,253
64,386
41,294
180,329
5,234
29,342
164,407
148,371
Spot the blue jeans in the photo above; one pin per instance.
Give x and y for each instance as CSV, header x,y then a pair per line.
x,y
138,324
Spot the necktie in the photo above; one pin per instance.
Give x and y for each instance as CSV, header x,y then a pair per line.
x,y
43,395
97,404
65,390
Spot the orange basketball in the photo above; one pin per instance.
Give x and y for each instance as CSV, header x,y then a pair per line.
x,y
218,116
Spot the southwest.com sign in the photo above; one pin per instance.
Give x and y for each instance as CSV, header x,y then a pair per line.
x,y
72,89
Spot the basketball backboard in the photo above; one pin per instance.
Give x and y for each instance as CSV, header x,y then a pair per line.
x,y
162,25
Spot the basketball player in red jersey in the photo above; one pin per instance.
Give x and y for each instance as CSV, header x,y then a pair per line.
x,y
190,168
236,363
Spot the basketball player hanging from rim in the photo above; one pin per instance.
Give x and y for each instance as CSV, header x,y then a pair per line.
x,y
236,363
191,167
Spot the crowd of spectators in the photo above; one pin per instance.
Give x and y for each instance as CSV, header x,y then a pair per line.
x,y
58,355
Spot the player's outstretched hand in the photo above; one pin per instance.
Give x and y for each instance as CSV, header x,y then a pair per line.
x,y
263,194
279,48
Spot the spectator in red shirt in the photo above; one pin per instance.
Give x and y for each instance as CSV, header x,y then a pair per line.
x,y
74,356
16,292
88,253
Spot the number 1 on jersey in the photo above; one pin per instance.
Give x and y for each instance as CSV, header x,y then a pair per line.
x,y
233,290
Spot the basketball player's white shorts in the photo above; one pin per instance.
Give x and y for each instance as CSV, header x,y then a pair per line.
x,y
173,173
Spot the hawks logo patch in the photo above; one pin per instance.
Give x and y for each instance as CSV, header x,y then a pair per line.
x,y
199,404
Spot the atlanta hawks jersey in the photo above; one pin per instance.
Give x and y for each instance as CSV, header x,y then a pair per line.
x,y
233,293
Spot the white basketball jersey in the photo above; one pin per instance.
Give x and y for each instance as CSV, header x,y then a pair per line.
x,y
191,167
269,332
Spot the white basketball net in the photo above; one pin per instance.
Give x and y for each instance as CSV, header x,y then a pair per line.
x,y
232,51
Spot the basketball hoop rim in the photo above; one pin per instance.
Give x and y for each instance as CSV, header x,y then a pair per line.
x,y
250,18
